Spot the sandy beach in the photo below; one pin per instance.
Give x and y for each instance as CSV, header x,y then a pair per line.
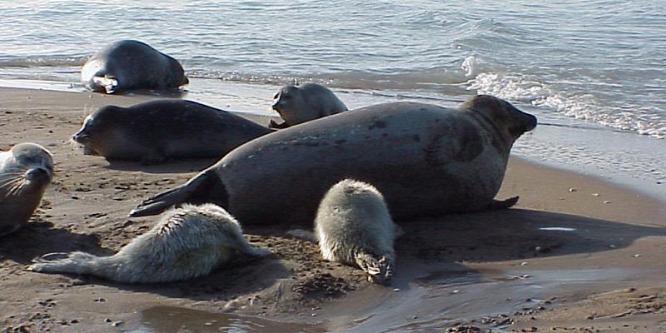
x,y
575,254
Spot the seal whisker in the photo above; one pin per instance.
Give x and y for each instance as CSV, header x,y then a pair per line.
x,y
10,182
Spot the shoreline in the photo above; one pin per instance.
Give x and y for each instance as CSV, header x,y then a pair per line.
x,y
623,158
452,271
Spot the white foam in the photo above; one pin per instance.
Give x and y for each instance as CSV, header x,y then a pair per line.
x,y
588,107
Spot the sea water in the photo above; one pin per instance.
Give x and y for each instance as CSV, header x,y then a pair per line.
x,y
594,72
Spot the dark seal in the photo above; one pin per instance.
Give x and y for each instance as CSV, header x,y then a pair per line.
x,y
424,159
131,65
160,130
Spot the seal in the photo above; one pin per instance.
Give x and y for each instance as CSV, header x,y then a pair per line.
x,y
354,227
426,160
25,172
131,65
186,243
311,101
159,130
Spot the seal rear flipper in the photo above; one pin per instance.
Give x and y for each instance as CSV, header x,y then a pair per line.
x,y
203,188
75,263
503,204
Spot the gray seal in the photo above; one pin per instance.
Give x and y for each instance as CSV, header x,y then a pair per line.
x,y
426,160
131,65
25,172
354,227
159,130
186,243
299,104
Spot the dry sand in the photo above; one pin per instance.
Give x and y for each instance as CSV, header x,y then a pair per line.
x,y
575,254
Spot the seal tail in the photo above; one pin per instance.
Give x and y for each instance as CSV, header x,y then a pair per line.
x,y
73,263
204,187
379,269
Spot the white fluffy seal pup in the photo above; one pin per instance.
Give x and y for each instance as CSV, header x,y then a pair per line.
x,y
25,172
186,243
354,227
299,104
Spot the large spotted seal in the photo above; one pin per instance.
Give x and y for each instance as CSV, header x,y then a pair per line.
x,y
156,131
25,172
298,104
354,227
424,159
131,65
186,243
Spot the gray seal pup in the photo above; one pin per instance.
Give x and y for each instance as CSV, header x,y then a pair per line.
x,y
186,243
159,130
426,160
354,227
25,172
130,65
298,104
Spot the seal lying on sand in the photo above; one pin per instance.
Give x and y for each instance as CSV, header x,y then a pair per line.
x,y
311,101
25,172
424,159
354,227
186,243
164,129
129,65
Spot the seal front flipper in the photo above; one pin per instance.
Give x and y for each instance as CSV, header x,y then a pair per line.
x,y
203,188
108,83
378,268
503,204
274,125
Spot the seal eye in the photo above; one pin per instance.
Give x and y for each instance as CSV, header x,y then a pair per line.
x,y
277,94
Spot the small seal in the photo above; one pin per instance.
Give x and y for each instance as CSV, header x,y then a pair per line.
x,y
425,159
159,130
354,227
186,243
131,65
25,172
308,102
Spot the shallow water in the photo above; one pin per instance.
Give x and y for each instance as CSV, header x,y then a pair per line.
x,y
601,61
172,319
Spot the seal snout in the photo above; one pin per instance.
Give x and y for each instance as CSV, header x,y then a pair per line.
x,y
526,121
81,137
40,175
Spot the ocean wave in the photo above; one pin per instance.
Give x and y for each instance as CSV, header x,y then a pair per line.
x,y
579,105
42,61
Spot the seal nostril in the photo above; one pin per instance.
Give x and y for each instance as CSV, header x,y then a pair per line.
x,y
37,173
79,137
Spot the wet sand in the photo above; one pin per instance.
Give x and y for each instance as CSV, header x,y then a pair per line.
x,y
576,253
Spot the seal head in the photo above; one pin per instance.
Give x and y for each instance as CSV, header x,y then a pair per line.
x,y
25,172
299,104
